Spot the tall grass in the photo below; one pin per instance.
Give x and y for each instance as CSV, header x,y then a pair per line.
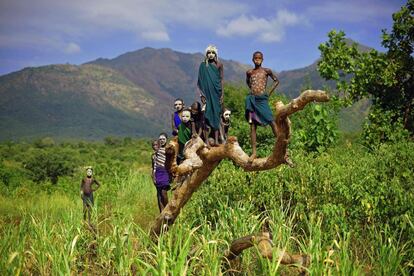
x,y
42,230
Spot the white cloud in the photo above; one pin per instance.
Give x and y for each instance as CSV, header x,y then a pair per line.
x,y
76,19
266,30
72,48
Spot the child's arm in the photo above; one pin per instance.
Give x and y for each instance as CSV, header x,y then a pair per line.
x,y
248,73
275,81
200,131
193,130
153,168
221,71
97,184
81,188
173,124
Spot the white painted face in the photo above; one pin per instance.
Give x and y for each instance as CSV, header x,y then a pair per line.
x,y
163,140
178,105
226,115
211,55
89,172
186,116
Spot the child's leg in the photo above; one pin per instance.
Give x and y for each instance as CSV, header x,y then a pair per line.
x,y
253,141
85,210
164,198
273,125
159,199
216,135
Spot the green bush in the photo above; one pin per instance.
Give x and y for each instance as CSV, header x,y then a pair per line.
x,y
50,165
383,126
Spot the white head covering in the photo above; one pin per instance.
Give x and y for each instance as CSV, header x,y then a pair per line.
x,y
211,48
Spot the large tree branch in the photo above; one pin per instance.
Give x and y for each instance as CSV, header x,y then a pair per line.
x,y
201,161
264,245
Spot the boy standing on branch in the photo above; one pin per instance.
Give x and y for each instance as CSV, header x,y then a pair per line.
x,y
210,84
258,111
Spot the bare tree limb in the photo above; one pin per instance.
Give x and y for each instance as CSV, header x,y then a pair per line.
x,y
201,161
264,245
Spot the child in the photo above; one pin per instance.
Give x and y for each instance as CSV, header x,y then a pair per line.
x,y
197,121
161,175
86,192
225,124
184,133
210,85
257,102
176,116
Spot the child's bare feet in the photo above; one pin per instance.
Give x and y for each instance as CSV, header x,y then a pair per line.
x,y
289,161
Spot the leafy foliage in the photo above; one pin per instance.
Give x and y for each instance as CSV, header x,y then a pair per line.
x,y
379,130
386,78
349,208
316,128
50,165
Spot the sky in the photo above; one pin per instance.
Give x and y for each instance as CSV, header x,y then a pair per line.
x,y
41,32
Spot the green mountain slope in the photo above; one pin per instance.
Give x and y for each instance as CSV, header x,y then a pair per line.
x,y
130,95
74,101
166,73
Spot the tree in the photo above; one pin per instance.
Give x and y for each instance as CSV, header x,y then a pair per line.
x,y
385,78
201,161
50,165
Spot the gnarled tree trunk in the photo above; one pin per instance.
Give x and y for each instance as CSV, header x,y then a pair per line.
x,y
201,161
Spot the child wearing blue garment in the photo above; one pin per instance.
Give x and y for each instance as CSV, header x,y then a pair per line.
x,y
161,175
176,116
257,102
210,85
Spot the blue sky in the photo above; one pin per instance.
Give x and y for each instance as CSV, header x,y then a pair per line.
x,y
40,32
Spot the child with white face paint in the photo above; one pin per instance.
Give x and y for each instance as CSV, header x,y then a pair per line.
x,y
210,85
86,192
184,133
176,116
161,175
225,124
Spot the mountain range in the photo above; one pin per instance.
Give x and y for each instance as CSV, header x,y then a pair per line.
x,y
130,95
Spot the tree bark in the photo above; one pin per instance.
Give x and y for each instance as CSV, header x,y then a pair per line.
x,y
201,161
265,247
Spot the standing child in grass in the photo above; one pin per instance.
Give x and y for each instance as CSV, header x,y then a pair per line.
x,y
155,147
86,191
161,174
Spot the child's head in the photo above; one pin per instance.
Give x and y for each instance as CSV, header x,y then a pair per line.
x,y
186,115
162,139
178,104
257,58
211,52
195,108
155,145
89,171
226,114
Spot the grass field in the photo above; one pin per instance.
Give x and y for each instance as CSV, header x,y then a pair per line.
x,y
42,230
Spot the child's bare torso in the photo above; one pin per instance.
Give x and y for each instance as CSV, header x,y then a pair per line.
x,y
258,81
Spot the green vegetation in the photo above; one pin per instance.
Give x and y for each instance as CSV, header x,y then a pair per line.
x,y
72,102
350,208
348,203
385,78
